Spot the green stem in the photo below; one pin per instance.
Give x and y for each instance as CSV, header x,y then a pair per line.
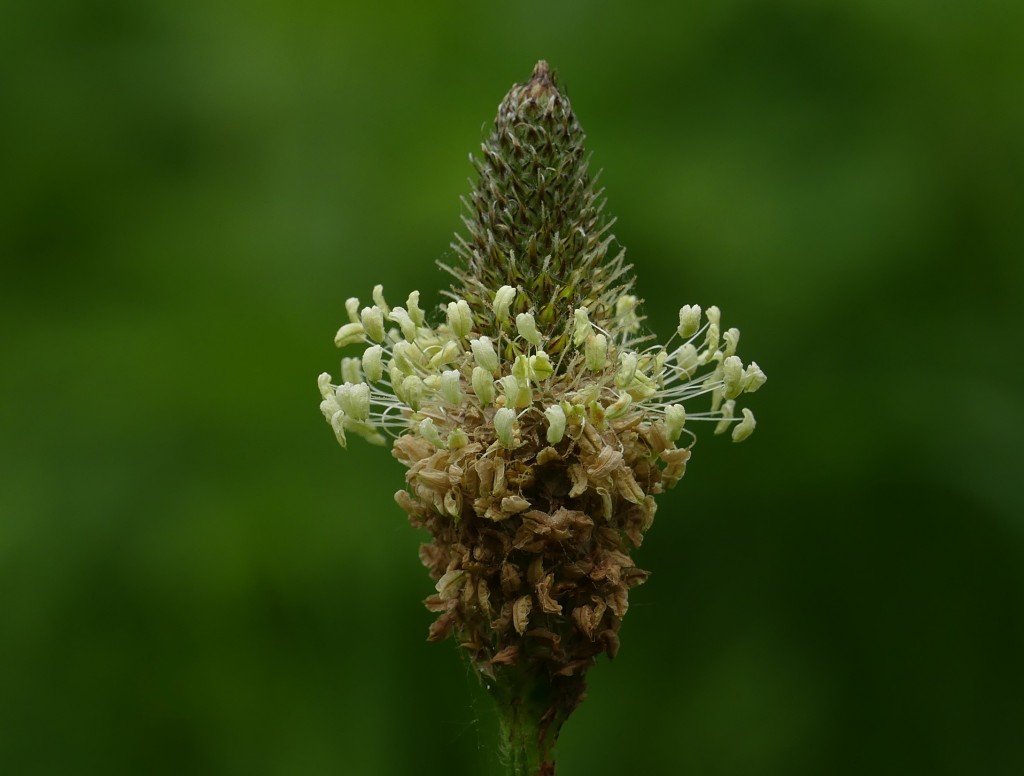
x,y
532,707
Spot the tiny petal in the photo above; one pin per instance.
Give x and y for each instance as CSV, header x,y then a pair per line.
x,y
745,427
689,320
504,419
484,353
373,364
373,322
483,385
502,301
527,327
348,334
556,424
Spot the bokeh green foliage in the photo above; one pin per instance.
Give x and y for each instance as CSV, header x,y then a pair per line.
x,y
195,579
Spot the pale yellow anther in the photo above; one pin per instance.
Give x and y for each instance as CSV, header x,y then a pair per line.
x,y
527,328
428,431
451,386
627,369
687,359
728,408
406,356
349,334
626,318
504,422
521,370
373,322
460,318
710,343
413,305
582,327
540,367
689,320
753,377
731,338
732,376
714,315
484,353
483,385
502,301
352,308
675,419
457,438
745,427
445,355
556,424
378,299
323,382
373,363
596,352
351,371
338,424
354,400
411,391
516,394
401,316
619,407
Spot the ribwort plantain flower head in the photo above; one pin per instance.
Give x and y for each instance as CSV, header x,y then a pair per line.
x,y
536,417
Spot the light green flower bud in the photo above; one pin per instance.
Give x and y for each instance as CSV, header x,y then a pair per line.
x,y
728,408
483,352
504,420
675,419
413,305
745,427
556,423
619,407
627,369
354,400
401,316
732,376
324,384
373,364
445,355
483,385
378,299
582,327
352,308
349,334
373,322
451,388
411,391
689,320
527,327
428,431
687,359
457,438
626,318
731,339
596,352
502,301
540,367
350,372
753,377
460,318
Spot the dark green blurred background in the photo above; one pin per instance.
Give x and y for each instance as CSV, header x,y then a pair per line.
x,y
195,579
